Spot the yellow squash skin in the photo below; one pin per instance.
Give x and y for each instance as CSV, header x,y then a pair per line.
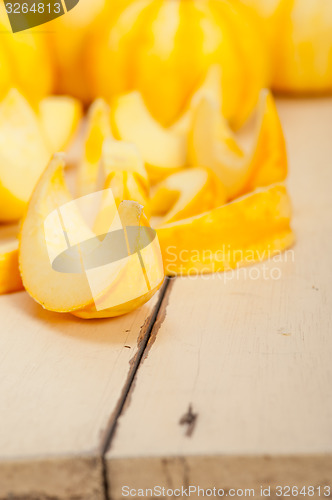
x,y
304,60
25,62
269,161
264,164
300,36
164,49
70,42
10,279
11,207
251,228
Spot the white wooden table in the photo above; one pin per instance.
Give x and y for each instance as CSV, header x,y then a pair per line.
x,y
87,408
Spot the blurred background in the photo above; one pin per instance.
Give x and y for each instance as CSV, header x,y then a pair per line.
x,y
164,49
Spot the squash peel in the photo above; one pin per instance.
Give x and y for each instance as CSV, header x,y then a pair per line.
x,y
24,55
210,146
10,279
247,230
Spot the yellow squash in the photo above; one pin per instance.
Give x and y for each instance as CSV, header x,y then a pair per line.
x,y
108,163
98,129
165,48
60,118
247,230
187,193
164,150
124,172
300,37
55,226
70,41
211,146
25,61
10,279
24,154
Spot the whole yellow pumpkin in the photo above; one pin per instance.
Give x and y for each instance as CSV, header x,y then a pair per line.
x,y
163,48
300,35
24,61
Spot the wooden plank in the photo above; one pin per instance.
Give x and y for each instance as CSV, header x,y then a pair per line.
x,y
62,381
251,353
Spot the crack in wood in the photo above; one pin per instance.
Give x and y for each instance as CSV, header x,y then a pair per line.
x,y
124,400
159,320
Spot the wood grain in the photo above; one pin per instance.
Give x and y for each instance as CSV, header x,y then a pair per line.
x,y
251,354
61,383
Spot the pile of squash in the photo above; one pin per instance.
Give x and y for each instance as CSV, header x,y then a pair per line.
x,y
168,85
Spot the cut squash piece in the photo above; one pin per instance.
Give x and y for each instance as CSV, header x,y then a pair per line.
x,y
66,266
60,117
125,173
248,230
98,129
163,151
10,279
186,194
141,275
210,146
268,159
124,157
23,155
210,88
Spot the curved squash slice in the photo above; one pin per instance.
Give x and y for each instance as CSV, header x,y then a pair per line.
x,y
68,266
187,193
60,117
23,155
163,151
125,174
239,233
209,146
98,128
